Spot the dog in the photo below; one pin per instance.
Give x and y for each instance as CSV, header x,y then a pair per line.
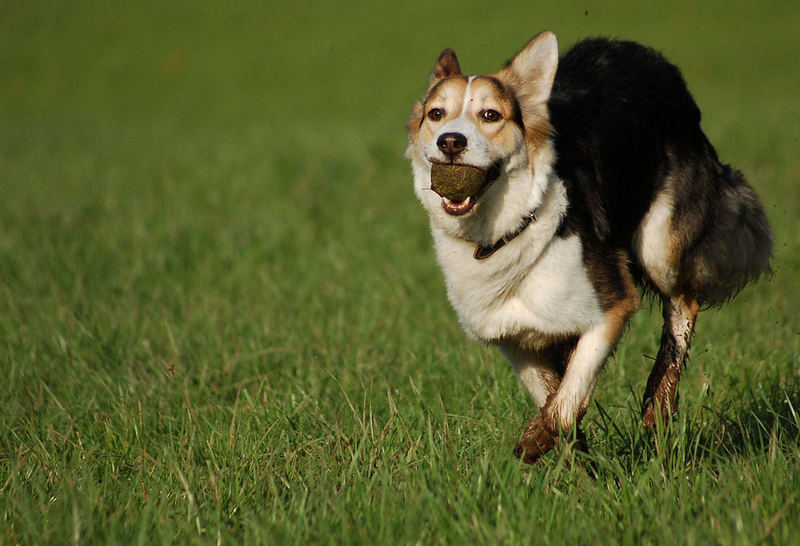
x,y
595,184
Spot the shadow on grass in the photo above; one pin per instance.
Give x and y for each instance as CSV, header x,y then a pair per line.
x,y
753,421
749,422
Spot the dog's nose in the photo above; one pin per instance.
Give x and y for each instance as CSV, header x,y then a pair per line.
x,y
452,144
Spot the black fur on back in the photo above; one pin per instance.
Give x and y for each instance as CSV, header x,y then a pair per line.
x,y
625,127
616,108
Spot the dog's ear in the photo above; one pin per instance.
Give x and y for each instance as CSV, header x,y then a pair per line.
x,y
446,66
532,70
530,75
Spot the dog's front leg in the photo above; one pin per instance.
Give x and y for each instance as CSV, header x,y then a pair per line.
x,y
539,371
564,408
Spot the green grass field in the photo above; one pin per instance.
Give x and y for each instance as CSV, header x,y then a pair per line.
x,y
221,320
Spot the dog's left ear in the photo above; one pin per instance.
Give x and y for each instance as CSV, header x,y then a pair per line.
x,y
532,70
446,66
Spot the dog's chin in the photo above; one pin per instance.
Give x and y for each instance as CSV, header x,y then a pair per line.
x,y
468,205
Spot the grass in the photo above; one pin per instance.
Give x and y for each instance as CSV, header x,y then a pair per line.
x,y
221,320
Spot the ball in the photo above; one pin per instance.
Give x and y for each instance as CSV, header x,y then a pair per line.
x,y
456,182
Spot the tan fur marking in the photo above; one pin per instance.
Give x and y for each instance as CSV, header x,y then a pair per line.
x,y
536,122
443,90
446,67
620,313
486,95
448,94
414,122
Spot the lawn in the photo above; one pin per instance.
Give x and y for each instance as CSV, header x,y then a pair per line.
x,y
221,320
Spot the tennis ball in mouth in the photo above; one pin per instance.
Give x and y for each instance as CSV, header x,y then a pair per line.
x,y
456,182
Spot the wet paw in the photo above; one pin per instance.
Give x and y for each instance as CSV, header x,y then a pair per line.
x,y
648,417
658,413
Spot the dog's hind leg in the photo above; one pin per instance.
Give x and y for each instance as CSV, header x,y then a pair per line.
x,y
661,394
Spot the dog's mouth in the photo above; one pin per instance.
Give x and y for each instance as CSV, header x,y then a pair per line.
x,y
460,186
458,208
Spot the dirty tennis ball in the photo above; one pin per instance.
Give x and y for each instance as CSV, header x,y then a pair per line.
x,y
456,182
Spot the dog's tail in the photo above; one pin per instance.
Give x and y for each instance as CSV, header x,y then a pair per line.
x,y
736,245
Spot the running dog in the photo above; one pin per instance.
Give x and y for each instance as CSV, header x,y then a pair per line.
x,y
557,189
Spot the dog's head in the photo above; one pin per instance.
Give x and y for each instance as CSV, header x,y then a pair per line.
x,y
475,143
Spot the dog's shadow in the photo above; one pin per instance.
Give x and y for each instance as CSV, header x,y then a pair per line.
x,y
754,421
749,422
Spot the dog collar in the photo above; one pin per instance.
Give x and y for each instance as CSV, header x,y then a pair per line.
x,y
483,251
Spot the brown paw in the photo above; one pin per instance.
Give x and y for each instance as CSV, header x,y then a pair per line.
x,y
535,441
656,412
648,416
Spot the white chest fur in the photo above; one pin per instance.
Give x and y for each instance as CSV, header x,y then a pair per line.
x,y
535,288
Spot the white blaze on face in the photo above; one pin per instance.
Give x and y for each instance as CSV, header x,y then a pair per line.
x,y
467,96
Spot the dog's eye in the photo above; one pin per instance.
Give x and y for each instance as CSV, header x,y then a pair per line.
x,y
435,114
491,115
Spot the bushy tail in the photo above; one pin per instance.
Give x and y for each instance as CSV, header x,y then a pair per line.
x,y
737,244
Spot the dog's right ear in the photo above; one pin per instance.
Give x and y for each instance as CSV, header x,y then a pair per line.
x,y
446,66
530,74
533,69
